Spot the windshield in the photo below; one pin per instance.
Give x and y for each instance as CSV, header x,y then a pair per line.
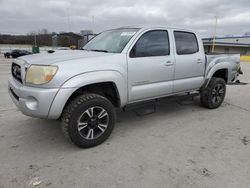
x,y
112,41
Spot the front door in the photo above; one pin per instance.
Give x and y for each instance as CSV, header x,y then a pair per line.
x,y
150,66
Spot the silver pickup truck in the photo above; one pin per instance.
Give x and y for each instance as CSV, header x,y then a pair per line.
x,y
117,68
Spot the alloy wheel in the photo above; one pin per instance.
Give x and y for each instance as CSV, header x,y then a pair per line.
x,y
93,122
217,93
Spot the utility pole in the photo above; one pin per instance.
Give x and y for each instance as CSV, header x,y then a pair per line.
x,y
93,22
69,26
215,30
68,16
35,39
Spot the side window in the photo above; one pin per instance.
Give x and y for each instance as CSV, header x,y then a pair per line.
x,y
152,43
186,43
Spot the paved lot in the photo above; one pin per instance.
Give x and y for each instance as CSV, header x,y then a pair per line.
x,y
181,145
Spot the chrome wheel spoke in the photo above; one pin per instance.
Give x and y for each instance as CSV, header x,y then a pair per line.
x,y
221,91
102,114
102,127
214,99
218,98
90,112
90,134
82,125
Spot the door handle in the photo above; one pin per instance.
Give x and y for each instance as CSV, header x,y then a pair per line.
x,y
168,63
199,61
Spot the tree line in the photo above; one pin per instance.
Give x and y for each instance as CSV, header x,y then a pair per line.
x,y
39,39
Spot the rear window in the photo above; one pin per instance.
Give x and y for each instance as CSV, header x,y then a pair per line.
x,y
186,43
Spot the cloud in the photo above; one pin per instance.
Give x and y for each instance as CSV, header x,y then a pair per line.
x,y
23,16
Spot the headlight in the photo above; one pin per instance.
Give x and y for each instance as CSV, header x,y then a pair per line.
x,y
40,74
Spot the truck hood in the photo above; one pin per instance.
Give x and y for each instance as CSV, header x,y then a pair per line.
x,y
61,56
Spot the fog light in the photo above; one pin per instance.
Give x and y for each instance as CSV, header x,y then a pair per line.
x,y
31,103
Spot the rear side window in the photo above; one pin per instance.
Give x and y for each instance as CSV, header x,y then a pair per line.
x,y
186,43
152,43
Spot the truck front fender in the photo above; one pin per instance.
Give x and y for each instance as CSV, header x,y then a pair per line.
x,y
81,80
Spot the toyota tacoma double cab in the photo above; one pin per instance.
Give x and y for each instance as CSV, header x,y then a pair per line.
x,y
117,68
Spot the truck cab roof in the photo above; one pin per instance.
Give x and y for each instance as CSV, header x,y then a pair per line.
x,y
145,27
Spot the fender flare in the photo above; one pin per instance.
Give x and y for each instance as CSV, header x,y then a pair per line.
x,y
84,79
214,67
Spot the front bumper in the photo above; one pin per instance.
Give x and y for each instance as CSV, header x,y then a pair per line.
x,y
34,102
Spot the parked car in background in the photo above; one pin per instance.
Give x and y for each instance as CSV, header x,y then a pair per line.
x,y
18,53
7,55
116,69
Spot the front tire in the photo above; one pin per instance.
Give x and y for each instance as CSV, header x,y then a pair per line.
x,y
213,95
88,120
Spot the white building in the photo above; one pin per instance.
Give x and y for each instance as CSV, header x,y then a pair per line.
x,y
235,44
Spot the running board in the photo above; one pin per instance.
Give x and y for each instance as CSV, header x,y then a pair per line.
x,y
142,108
149,107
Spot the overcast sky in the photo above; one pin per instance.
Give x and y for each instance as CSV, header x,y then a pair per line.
x,y
23,16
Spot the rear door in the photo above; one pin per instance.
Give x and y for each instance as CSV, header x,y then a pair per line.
x,y
190,61
150,66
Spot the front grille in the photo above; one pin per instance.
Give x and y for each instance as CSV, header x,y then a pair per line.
x,y
16,72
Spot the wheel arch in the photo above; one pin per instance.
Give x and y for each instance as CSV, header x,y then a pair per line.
x,y
110,84
220,70
107,89
221,73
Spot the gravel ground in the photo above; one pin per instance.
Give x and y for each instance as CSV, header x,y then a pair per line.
x,y
181,145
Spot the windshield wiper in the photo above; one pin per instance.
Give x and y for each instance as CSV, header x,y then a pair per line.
x,y
99,50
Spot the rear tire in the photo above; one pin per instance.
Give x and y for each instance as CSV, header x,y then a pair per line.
x,y
213,95
88,120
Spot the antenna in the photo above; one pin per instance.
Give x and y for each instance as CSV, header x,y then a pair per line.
x,y
215,30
